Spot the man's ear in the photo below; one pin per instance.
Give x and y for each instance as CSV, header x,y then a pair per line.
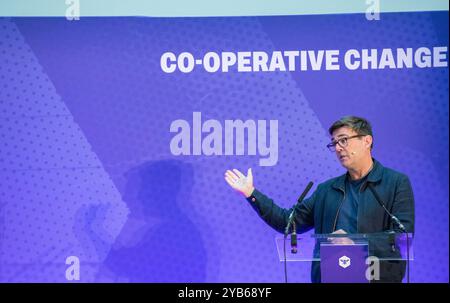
x,y
368,140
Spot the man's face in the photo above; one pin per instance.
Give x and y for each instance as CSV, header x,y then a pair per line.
x,y
355,149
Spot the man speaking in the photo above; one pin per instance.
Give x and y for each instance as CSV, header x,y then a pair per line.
x,y
348,203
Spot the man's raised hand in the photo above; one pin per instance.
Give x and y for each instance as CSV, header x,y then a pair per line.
x,y
239,182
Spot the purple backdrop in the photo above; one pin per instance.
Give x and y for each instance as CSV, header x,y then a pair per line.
x,y
85,162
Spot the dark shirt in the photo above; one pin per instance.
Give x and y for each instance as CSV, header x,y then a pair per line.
x,y
348,215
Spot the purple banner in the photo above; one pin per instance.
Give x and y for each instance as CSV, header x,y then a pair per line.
x,y
115,134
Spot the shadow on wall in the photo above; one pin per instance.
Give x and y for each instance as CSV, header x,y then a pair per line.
x,y
158,243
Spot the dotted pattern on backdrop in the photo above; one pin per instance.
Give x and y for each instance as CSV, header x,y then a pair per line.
x,y
126,116
50,178
427,188
257,96
416,93
418,98
124,122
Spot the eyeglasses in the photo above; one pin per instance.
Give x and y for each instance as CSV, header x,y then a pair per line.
x,y
343,142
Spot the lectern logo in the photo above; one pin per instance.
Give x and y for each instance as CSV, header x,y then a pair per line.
x,y
344,261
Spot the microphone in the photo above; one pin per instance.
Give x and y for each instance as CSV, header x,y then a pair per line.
x,y
294,233
293,239
397,221
291,216
393,218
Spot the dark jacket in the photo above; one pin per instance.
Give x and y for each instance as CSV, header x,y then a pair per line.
x,y
321,210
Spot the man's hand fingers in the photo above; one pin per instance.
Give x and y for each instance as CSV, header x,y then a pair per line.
x,y
249,174
241,175
231,175
229,181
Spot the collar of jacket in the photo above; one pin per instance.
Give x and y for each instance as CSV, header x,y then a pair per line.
x,y
374,176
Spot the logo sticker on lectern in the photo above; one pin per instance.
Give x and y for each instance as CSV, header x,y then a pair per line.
x,y
344,261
